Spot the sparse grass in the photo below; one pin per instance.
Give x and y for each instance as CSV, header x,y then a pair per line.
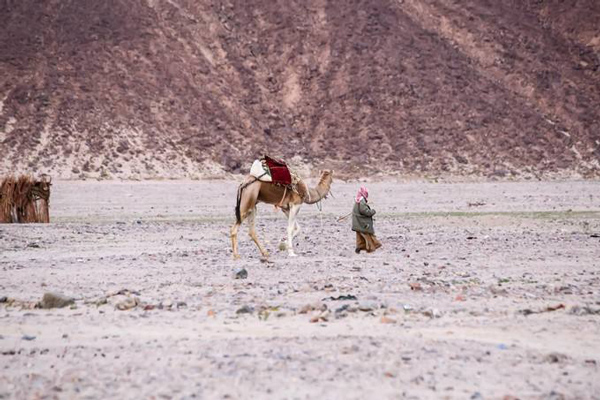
x,y
194,218
515,214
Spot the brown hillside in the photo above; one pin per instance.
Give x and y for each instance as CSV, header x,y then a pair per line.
x,y
182,88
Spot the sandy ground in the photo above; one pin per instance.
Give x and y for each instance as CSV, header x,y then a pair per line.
x,y
480,291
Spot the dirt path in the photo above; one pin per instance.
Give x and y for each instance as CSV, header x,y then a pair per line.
x,y
505,296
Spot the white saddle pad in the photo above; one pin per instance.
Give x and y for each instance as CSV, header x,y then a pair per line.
x,y
258,170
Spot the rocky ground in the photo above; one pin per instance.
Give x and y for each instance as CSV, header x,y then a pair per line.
x,y
487,290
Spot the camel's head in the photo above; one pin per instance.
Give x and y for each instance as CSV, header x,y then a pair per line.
x,y
326,178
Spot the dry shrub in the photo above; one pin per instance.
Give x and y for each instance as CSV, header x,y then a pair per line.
x,y
24,200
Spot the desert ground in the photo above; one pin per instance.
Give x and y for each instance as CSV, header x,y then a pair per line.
x,y
482,291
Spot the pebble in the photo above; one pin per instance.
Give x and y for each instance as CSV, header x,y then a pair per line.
x,y
313,306
241,273
55,300
127,304
28,337
554,358
432,313
368,305
245,310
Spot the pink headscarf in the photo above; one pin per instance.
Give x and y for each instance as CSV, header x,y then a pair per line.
x,y
362,192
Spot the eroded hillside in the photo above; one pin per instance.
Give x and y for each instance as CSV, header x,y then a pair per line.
x,y
182,88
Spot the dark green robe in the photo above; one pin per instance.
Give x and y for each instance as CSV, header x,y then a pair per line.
x,y
362,217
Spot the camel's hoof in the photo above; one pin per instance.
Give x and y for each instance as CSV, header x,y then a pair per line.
x,y
282,246
236,257
292,255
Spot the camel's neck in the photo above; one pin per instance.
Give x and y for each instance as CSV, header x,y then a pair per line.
x,y
318,192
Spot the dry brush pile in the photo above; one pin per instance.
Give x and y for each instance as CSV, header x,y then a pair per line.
x,y
24,200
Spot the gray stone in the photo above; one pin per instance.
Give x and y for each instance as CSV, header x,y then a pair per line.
x,y
368,305
432,313
245,310
127,304
241,273
55,300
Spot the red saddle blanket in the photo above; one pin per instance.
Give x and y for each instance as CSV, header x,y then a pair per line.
x,y
279,171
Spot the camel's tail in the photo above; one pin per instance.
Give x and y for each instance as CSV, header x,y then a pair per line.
x,y
243,186
238,216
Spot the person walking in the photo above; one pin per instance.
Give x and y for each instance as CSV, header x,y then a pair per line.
x,y
362,223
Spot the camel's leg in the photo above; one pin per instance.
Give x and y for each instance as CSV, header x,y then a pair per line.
x,y
247,205
283,243
234,245
252,232
294,208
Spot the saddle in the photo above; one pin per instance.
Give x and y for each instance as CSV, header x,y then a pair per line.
x,y
272,170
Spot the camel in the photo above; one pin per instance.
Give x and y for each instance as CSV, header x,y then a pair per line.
x,y
252,191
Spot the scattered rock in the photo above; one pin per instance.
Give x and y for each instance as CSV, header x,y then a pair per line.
x,y
368,305
497,291
415,286
342,297
33,245
528,311
554,358
584,310
554,396
28,337
55,300
476,204
165,304
321,317
312,307
125,292
387,320
241,273
342,308
432,313
3,299
127,304
245,310
100,302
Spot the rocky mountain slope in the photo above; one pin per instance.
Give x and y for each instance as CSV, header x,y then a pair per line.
x,y
182,88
